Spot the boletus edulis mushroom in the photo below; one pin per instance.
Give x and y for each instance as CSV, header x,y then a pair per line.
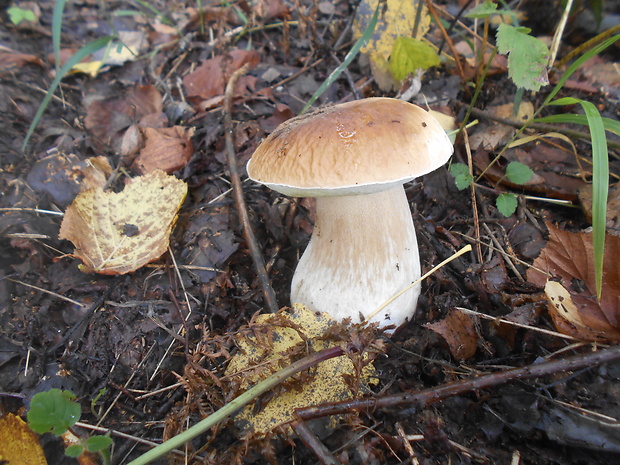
x,y
354,158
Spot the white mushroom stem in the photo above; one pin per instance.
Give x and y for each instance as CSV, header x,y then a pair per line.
x,y
362,252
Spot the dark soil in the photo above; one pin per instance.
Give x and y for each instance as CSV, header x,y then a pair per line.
x,y
148,345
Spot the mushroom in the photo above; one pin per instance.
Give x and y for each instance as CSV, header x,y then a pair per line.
x,y
354,158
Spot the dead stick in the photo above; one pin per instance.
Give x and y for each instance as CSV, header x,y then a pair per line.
x,y
255,251
428,396
540,126
313,443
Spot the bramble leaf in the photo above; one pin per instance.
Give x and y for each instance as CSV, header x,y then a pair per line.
x,y
506,204
462,178
483,10
518,173
54,411
527,59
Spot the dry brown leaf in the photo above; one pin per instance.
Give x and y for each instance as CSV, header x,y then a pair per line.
x,y
18,443
117,233
166,149
568,257
458,331
11,60
108,118
209,79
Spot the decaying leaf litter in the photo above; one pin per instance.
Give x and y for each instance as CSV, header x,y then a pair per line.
x,y
159,339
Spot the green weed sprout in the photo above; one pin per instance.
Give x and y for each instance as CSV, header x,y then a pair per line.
x,y
55,412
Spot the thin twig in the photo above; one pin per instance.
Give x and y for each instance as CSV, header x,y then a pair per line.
x,y
539,126
313,443
474,204
257,256
428,396
459,67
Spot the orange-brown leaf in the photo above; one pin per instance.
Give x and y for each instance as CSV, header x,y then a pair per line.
x,y
568,257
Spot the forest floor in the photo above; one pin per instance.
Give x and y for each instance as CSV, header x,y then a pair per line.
x,y
145,352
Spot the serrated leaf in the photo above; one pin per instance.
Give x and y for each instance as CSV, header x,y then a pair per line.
x,y
117,233
518,173
409,55
74,451
506,204
462,178
53,412
98,443
484,10
527,59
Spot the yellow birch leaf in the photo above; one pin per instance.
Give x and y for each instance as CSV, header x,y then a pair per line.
x,y
19,445
396,21
117,233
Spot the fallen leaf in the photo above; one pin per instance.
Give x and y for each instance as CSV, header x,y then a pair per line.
x,y
62,176
18,443
166,149
10,60
396,20
128,47
613,206
108,118
568,258
117,233
209,79
493,135
458,331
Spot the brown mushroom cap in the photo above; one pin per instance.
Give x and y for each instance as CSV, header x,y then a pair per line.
x,y
353,148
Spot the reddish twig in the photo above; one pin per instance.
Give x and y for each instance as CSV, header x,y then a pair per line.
x,y
428,396
255,251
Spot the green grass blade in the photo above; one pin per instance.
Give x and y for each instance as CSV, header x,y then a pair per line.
x,y
347,59
578,63
59,8
609,124
600,183
78,56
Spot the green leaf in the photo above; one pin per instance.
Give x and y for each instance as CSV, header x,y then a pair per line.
x,y
17,15
518,173
482,11
527,59
53,411
74,450
462,178
409,55
506,204
98,443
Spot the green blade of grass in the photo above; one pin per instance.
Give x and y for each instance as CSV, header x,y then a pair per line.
x,y
59,8
600,183
577,64
347,59
78,56
609,124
